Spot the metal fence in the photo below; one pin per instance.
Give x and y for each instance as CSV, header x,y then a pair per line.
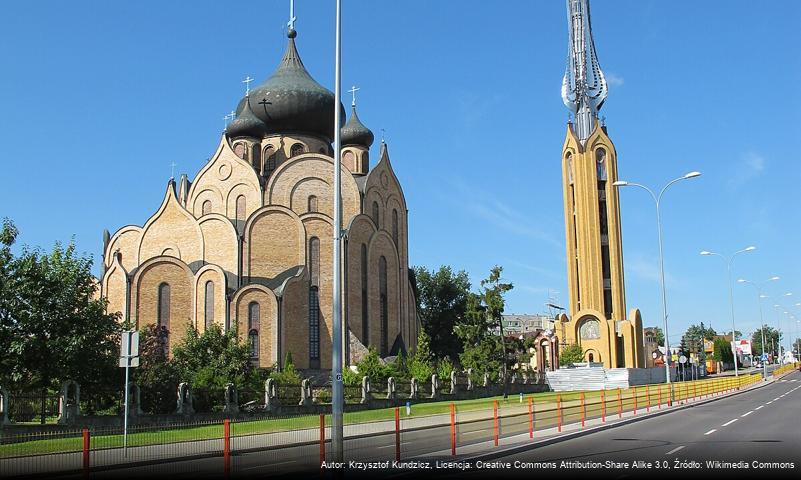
x,y
268,444
33,407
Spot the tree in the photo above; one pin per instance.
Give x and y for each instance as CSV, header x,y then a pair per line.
x,y
572,353
52,323
721,351
492,292
481,347
420,365
772,338
211,359
156,376
659,335
442,298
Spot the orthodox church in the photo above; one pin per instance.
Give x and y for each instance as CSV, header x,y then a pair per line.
x,y
247,244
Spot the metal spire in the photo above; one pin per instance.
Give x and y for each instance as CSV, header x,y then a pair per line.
x,y
353,91
247,81
584,87
292,17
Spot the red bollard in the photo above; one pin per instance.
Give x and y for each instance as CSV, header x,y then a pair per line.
x,y
603,407
453,429
582,409
86,453
558,412
530,417
397,434
227,447
322,439
495,415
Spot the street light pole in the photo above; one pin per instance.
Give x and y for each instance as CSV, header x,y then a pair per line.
x,y
658,200
731,297
758,287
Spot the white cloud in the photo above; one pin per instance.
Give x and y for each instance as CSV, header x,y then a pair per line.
x,y
750,166
614,80
646,268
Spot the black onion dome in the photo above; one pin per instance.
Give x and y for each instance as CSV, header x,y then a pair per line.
x,y
355,133
291,101
246,124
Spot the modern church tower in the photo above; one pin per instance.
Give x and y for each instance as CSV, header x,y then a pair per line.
x,y
597,306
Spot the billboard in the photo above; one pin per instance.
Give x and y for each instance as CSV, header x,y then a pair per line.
x,y
743,347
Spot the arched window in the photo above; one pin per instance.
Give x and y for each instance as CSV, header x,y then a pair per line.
x,y
569,168
591,357
314,328
365,161
206,209
240,150
296,149
254,312
256,156
600,164
383,305
312,203
241,212
269,161
365,314
314,260
375,214
395,228
209,305
163,314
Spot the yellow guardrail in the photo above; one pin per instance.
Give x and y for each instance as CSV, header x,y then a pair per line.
x,y
784,370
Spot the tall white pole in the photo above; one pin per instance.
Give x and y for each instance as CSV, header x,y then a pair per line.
x,y
338,400
731,302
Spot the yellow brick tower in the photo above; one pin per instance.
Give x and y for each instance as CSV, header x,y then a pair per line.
x,y
597,307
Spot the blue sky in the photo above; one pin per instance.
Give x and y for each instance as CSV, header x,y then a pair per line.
x,y
99,98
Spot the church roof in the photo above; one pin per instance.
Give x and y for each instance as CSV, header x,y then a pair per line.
x,y
246,124
291,101
355,133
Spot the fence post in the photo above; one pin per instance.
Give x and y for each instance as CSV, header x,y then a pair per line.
x,y
397,434
86,453
453,429
495,416
695,394
619,404
647,400
558,412
582,409
322,439
603,406
227,447
530,417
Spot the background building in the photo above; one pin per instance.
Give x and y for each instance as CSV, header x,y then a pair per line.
x,y
247,244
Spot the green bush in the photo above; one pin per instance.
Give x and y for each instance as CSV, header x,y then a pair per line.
x,y
444,369
289,375
571,354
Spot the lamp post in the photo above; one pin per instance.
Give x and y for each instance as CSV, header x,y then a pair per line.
x,y
658,200
760,296
731,295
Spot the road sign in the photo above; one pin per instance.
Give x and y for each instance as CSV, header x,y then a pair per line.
x,y
131,362
682,359
129,344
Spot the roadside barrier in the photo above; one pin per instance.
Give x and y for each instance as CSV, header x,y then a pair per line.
x,y
370,434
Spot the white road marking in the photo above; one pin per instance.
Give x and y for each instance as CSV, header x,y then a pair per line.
x,y
711,431
747,414
776,399
761,406
768,403
675,450
729,422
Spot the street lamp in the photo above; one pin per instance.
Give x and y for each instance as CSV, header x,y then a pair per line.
x,y
658,200
760,296
731,295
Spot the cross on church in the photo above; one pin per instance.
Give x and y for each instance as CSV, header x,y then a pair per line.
x,y
264,103
292,18
172,172
353,91
382,135
247,81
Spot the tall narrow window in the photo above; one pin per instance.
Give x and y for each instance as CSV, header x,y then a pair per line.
x,y
209,305
314,303
163,314
375,214
269,161
256,157
570,168
365,317
206,209
600,164
395,228
240,150
241,213
296,149
312,204
254,313
383,306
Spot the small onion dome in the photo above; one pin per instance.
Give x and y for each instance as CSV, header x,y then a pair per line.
x,y
246,124
355,133
291,101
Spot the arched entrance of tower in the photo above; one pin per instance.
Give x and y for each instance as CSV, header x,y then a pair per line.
x,y
590,335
